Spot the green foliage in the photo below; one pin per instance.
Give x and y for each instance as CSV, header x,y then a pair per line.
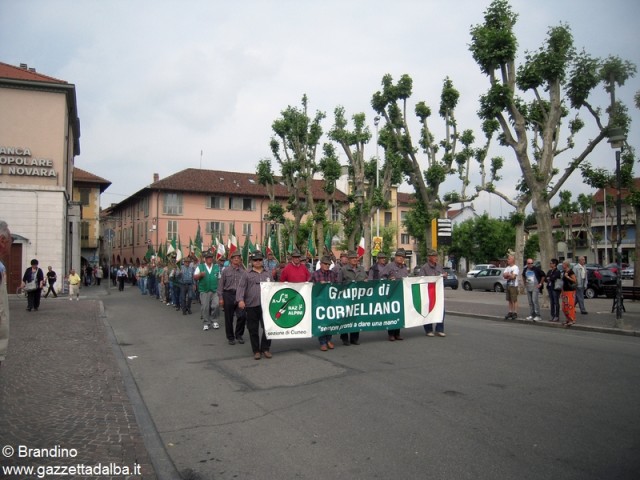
x,y
418,223
494,43
482,239
532,246
494,101
448,98
275,212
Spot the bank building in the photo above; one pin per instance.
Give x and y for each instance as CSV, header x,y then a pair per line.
x,y
39,140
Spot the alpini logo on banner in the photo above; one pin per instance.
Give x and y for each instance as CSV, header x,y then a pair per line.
x,y
287,308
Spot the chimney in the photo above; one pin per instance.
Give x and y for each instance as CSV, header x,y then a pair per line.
x,y
23,66
156,177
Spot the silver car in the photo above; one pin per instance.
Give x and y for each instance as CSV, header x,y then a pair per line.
x,y
488,279
478,268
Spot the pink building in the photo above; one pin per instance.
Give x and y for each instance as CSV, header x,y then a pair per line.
x,y
173,207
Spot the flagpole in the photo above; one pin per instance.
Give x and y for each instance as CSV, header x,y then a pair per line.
x,y
201,159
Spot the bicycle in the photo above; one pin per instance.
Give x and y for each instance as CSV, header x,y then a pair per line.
x,y
21,293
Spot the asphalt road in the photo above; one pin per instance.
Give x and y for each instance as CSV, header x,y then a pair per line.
x,y
492,400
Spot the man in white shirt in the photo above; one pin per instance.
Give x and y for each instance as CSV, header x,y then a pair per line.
x,y
511,274
581,278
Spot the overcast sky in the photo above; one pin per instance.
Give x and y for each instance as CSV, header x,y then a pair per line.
x,y
158,82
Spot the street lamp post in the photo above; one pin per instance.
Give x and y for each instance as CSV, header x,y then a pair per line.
x,y
616,139
376,121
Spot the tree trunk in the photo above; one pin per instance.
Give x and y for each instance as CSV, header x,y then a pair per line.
x,y
545,233
636,276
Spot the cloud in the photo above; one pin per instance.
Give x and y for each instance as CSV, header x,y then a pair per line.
x,y
159,81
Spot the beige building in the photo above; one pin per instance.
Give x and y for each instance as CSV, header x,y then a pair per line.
x,y
87,188
39,139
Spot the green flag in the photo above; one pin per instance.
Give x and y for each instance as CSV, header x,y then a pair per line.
x,y
179,251
327,240
273,245
149,254
198,244
311,247
290,247
247,249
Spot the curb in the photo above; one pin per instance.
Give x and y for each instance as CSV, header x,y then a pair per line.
x,y
583,328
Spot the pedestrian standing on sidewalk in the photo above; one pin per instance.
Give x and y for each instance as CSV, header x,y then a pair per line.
x,y
396,270
325,275
207,275
88,275
568,294
248,298
74,284
433,269
554,288
581,279
227,289
51,281
5,248
533,282
511,274
33,281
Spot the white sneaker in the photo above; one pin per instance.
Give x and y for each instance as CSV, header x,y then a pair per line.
x,y
205,328
537,319
77,299
215,325
441,334
70,299
529,317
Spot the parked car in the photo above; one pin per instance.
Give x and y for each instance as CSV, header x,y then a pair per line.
x,y
628,273
478,268
451,280
487,279
597,279
613,267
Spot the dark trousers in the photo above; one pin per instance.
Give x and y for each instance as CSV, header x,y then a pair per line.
x,y
428,327
121,283
185,296
33,299
151,285
350,337
51,290
394,333
554,302
231,308
259,343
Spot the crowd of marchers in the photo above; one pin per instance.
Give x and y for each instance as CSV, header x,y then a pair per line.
x,y
228,290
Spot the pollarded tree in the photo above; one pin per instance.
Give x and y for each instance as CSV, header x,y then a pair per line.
x,y
366,195
449,156
295,148
557,80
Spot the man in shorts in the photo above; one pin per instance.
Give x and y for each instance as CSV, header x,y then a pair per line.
x,y
511,274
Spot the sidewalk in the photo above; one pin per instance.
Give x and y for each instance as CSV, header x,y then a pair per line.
x,y
493,306
61,388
